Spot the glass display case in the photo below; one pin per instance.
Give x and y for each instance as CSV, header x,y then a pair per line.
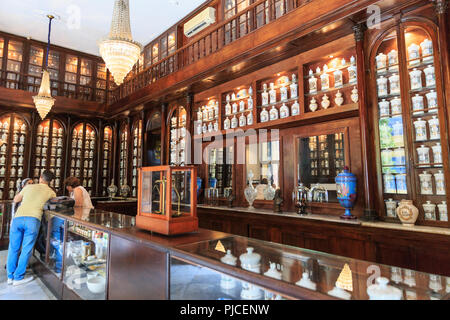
x,y
220,271
107,159
49,152
83,155
2,45
35,68
70,76
238,107
123,169
101,83
14,64
319,160
86,79
13,152
207,117
167,201
178,132
53,69
137,156
411,124
219,185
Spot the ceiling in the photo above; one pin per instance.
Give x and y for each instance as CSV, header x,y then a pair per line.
x,y
80,24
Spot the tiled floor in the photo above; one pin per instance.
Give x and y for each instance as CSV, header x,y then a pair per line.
x,y
34,290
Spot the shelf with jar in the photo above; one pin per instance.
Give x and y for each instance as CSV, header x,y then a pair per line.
x,y
107,159
83,155
178,132
13,152
238,110
281,96
331,82
137,157
207,119
14,64
49,151
413,161
53,70
123,160
35,68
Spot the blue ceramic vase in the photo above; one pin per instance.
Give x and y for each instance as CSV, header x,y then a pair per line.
x,y
346,183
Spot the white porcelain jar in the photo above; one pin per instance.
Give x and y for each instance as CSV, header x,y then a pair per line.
x,y
198,127
265,95
418,104
421,130
382,291
227,282
216,126
381,60
355,95
264,116
199,115
393,60
394,84
437,154
435,283
391,206
250,103
305,282
396,105
339,99
429,210
227,109
284,93
426,186
430,77
234,122
382,86
400,183
242,106
295,109
249,119
293,87
410,278
414,54
387,156
242,120
227,124
313,105
251,261
427,50
324,81
439,180
338,79
442,207
435,133
416,79
284,111
352,71
432,101
423,155
272,93
234,108
383,105
325,102
273,114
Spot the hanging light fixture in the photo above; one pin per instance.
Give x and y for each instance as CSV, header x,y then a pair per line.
x,y
119,51
44,101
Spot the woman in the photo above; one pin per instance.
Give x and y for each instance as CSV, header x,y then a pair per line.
x,y
78,193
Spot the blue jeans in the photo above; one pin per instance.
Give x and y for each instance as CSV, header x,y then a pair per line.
x,y
23,235
57,239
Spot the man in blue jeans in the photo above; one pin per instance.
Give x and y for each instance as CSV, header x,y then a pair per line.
x,y
25,227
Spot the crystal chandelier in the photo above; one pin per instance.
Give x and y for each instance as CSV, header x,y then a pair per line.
x,y
44,101
119,51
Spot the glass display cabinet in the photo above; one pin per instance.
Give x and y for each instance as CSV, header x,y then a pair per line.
x,y
14,149
123,169
53,69
100,91
85,90
83,155
49,152
35,68
410,131
178,132
219,184
107,159
239,268
70,76
14,64
207,117
137,156
238,107
167,201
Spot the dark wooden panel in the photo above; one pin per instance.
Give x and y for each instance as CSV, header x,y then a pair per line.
x,y
136,272
48,278
260,232
394,254
70,294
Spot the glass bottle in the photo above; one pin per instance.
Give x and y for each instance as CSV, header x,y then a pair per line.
x,y
439,180
265,95
393,60
437,155
234,122
242,120
264,116
418,104
272,93
293,87
284,111
434,128
273,113
352,71
249,118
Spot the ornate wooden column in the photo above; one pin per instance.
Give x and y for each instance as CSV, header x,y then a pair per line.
x,y
164,122
367,156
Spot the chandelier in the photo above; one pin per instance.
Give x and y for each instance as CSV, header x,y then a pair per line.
x,y
44,101
119,51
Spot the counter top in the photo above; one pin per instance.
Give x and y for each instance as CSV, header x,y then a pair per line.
x,y
336,219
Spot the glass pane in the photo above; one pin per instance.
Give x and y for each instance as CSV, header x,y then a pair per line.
x,y
155,53
71,64
15,51
154,188
85,261
53,60
55,261
86,67
263,161
181,201
101,71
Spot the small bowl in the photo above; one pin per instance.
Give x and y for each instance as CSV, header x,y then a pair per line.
x,y
96,284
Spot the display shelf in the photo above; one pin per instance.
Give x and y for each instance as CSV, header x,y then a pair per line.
x,y
107,159
177,136
123,160
137,156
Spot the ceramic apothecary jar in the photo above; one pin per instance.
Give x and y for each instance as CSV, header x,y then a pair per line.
x,y
251,261
429,210
381,62
416,79
382,291
396,105
407,212
414,54
393,60
418,104
391,205
427,50
227,282
426,186
384,108
382,86
442,207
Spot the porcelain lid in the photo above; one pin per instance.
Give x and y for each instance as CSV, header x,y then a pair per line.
x,y
382,291
229,259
